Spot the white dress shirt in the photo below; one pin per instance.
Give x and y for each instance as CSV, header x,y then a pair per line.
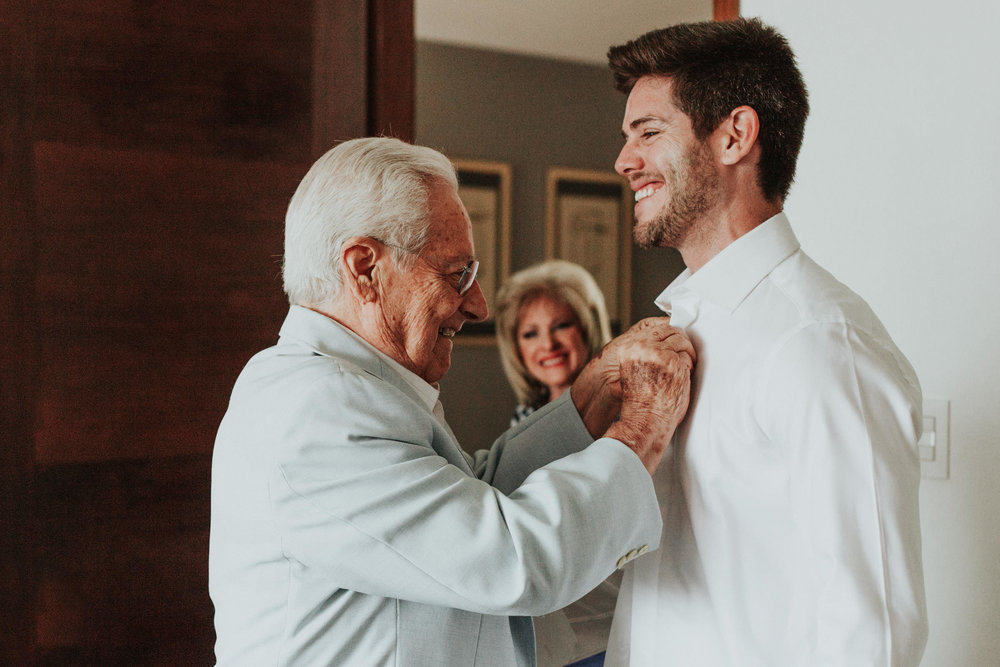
x,y
791,531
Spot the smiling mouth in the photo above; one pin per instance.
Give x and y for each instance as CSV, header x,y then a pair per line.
x,y
447,332
554,361
647,191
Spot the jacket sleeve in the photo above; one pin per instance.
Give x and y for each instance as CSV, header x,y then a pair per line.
x,y
360,496
548,434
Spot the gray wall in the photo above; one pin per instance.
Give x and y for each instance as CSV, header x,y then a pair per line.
x,y
531,113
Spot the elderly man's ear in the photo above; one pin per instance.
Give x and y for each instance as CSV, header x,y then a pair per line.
x,y
361,259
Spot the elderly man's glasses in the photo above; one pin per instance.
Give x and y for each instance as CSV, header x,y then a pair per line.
x,y
466,277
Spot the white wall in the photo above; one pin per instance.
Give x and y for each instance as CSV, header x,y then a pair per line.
x,y
896,195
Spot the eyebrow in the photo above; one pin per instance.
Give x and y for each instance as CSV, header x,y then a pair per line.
x,y
642,121
458,259
458,262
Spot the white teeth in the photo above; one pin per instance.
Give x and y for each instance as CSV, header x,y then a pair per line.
x,y
447,332
644,192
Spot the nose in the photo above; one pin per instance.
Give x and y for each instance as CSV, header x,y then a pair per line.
x,y
550,341
628,160
473,306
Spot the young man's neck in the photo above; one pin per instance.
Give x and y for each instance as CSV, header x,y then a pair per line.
x,y
712,236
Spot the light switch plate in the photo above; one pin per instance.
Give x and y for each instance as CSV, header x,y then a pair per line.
x,y
934,443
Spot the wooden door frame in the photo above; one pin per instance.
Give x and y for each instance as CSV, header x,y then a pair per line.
x,y
723,10
363,55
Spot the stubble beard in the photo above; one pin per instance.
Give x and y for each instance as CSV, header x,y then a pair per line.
x,y
693,190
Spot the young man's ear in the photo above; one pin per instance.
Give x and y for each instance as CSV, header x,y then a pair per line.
x,y
359,265
738,133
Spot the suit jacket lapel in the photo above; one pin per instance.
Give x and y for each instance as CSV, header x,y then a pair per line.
x,y
325,337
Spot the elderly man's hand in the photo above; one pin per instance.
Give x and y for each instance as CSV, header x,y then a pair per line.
x,y
644,375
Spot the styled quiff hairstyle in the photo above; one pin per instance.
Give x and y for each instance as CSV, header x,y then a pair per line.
x,y
716,66
561,281
377,187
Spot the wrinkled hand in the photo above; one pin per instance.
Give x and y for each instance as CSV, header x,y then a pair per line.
x,y
645,375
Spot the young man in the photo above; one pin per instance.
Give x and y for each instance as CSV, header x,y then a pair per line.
x,y
791,529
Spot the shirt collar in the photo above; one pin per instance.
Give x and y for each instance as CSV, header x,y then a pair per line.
x,y
731,275
327,336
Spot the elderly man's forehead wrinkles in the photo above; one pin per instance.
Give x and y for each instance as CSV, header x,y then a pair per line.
x,y
447,256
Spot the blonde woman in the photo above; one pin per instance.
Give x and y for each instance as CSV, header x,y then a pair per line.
x,y
550,321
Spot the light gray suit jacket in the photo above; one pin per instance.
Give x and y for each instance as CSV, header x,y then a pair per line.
x,y
349,528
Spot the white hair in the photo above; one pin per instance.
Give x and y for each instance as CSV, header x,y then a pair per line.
x,y
377,187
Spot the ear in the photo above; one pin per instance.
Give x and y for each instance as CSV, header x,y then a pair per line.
x,y
359,266
738,134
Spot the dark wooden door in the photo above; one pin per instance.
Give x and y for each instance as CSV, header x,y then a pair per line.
x,y
148,151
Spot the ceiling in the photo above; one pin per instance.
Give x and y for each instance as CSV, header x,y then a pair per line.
x,y
575,30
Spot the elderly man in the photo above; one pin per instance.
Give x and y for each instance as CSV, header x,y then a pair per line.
x,y
791,529
348,526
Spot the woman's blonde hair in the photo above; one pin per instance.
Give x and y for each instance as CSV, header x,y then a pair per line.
x,y
562,281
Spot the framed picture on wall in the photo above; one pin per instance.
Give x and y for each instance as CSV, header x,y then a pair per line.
x,y
485,189
589,221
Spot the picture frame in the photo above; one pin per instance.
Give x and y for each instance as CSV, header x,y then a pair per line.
x,y
485,189
588,220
